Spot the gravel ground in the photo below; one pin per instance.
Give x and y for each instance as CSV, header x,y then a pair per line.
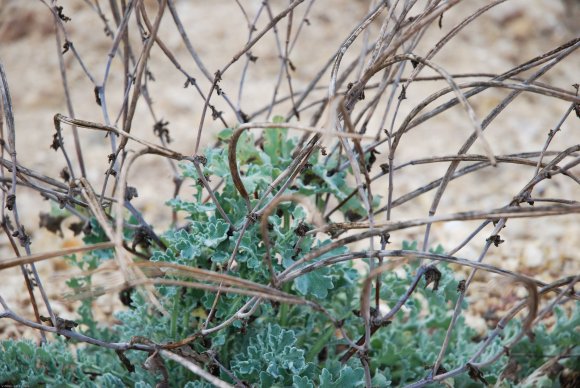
x,y
518,30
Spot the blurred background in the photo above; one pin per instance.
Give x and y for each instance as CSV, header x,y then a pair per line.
x,y
507,35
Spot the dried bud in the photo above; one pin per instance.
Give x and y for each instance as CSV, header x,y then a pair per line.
x,y
432,275
495,239
475,373
301,229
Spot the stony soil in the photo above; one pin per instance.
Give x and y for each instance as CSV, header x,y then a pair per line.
x,y
546,248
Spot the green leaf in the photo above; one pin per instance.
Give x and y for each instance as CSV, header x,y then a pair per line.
x,y
347,377
26,349
410,246
193,208
301,382
271,350
257,177
266,380
277,145
380,379
315,283
216,232
225,134
110,381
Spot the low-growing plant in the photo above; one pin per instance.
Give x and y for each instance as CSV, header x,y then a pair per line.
x,y
279,344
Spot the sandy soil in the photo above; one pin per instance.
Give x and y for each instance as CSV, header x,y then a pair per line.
x,y
508,35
